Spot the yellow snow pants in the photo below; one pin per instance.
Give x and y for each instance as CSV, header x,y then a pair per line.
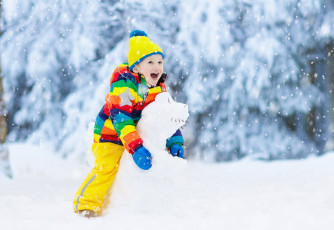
x,y
93,190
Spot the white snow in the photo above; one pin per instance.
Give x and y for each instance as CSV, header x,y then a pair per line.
x,y
241,195
173,194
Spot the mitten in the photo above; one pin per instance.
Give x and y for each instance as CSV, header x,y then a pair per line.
x,y
142,157
177,150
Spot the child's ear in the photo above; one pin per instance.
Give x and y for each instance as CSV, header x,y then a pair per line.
x,y
135,69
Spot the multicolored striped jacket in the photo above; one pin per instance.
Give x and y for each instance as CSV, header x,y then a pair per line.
x,y
128,96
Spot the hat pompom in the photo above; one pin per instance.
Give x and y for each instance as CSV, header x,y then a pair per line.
x,y
135,33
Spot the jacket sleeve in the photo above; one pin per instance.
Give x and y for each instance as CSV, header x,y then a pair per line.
x,y
120,101
175,139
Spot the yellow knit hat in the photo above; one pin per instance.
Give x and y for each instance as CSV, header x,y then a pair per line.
x,y
140,47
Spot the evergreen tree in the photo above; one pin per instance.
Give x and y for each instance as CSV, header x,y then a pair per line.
x,y
4,152
251,77
249,70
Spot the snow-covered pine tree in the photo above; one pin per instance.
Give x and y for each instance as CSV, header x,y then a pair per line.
x,y
49,50
250,86
242,66
4,152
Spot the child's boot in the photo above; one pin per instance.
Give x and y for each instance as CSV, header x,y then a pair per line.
x,y
87,213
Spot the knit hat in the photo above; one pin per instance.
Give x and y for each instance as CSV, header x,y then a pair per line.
x,y
140,47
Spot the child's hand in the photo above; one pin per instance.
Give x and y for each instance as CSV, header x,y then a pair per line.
x,y
177,150
142,158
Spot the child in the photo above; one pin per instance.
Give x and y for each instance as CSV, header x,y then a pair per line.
x,y
132,87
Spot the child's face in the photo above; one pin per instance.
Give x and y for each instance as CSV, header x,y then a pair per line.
x,y
152,69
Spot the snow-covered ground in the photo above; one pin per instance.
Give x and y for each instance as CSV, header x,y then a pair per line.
x,y
240,195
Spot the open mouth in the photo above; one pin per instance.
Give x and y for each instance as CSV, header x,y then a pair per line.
x,y
154,75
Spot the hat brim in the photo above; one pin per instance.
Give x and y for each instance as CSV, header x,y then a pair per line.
x,y
139,60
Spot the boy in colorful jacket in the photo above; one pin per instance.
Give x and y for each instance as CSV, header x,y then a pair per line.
x,y
132,87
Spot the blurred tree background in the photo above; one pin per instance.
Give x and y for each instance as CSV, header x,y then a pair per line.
x,y
257,75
